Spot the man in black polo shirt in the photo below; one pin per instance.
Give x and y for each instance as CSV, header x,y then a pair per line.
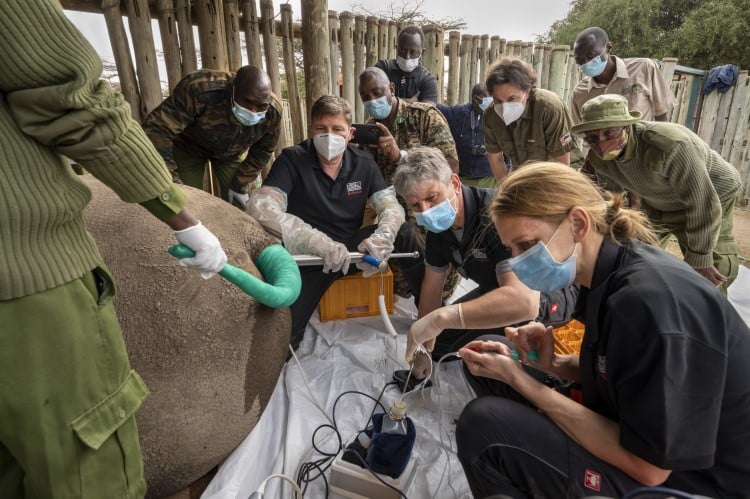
x,y
412,81
314,199
461,233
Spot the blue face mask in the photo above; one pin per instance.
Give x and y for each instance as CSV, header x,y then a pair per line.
x,y
378,108
486,101
594,67
437,219
538,269
247,117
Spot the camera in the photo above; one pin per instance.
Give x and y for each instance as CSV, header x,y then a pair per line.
x,y
478,150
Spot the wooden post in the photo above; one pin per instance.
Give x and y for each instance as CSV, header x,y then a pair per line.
x,y
539,63
184,18
484,56
165,12
454,71
297,117
545,68
210,17
517,45
371,41
333,47
315,49
346,37
360,27
139,21
503,49
668,66
392,39
383,39
574,76
268,29
527,52
232,28
473,63
467,45
251,27
121,52
734,117
742,96
558,70
434,55
495,52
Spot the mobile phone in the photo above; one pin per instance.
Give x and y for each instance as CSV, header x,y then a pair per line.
x,y
365,133
400,378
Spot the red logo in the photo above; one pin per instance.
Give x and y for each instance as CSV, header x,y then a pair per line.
x,y
553,308
592,480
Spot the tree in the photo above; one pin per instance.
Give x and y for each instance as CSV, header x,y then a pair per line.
x,y
408,12
700,34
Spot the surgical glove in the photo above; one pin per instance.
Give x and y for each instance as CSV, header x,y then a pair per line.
x,y
209,256
425,330
242,198
378,246
336,257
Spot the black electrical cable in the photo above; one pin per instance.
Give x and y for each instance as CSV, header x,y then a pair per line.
x,y
322,465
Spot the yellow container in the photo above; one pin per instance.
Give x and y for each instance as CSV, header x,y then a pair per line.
x,y
355,296
568,338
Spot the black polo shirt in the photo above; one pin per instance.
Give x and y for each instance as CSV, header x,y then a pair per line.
x,y
667,357
479,252
335,207
407,84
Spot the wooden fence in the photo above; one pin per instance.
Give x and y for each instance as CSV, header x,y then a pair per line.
x,y
338,46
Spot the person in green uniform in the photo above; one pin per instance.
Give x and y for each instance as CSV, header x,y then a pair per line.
x,y
67,392
525,123
686,188
230,123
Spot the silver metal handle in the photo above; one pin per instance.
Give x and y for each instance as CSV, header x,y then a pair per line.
x,y
309,260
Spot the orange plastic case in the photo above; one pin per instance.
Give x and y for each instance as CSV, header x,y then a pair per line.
x,y
568,338
355,296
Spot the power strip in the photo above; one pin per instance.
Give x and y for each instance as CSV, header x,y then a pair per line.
x,y
354,482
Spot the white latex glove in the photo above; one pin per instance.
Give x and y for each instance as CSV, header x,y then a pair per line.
x,y
379,246
209,256
425,330
242,198
335,257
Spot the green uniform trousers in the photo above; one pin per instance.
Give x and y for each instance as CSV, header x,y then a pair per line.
x,y
68,396
726,251
192,172
488,182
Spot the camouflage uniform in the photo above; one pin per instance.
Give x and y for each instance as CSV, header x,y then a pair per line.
x,y
196,123
416,124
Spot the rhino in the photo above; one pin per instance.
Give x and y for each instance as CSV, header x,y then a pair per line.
x,y
210,354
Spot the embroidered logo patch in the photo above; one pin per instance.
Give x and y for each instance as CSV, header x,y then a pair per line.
x,y
592,480
601,366
353,188
554,307
479,254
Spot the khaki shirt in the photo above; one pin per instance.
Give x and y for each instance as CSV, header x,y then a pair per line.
x,y
416,124
638,80
540,134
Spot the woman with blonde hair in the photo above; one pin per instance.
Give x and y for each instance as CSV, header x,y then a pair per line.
x,y
663,367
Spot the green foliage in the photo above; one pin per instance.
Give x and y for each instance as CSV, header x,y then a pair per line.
x,y
700,33
407,12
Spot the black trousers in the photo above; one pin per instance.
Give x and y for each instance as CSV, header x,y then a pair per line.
x,y
315,283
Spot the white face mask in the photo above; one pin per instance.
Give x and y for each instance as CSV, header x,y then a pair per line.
x,y
407,65
329,145
510,111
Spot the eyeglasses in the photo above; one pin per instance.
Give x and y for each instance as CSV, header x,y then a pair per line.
x,y
596,136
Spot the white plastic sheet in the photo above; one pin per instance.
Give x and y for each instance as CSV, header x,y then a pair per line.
x,y
338,356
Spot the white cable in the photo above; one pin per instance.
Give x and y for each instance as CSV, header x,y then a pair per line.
x,y
262,487
307,385
384,310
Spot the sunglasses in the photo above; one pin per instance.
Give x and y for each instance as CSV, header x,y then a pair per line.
x,y
596,136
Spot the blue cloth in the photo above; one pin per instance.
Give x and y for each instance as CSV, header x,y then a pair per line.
x,y
466,128
721,78
389,454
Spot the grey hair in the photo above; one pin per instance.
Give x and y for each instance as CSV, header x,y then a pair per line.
x,y
421,164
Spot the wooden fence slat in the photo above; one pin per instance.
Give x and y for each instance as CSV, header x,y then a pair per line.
x,y
734,117
360,29
184,18
371,41
346,37
293,102
454,47
165,12
464,80
251,27
434,55
739,141
139,22
232,31
121,52
333,48
315,48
